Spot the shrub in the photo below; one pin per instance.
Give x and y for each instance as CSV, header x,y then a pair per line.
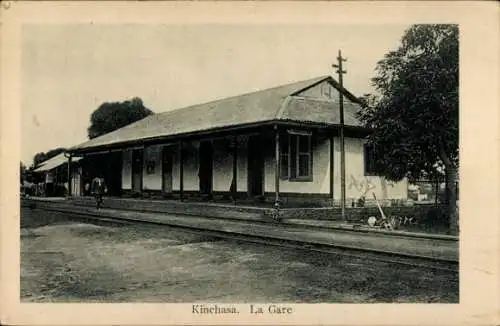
x,y
435,217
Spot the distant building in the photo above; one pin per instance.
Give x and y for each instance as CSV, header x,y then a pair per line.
x,y
55,176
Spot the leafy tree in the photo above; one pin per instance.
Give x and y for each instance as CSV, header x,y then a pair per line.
x,y
42,156
110,116
415,114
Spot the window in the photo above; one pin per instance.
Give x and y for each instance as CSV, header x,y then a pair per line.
x,y
370,160
284,156
326,91
296,156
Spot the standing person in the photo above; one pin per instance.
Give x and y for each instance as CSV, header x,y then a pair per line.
x,y
87,189
98,189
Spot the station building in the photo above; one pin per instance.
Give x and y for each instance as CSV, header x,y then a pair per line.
x,y
279,144
53,175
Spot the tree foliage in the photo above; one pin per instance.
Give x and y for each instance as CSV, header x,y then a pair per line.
x,y
415,114
110,116
42,156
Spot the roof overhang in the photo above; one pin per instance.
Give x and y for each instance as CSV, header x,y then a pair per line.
x,y
54,162
257,110
351,131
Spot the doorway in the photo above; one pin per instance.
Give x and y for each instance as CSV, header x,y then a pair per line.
x,y
167,165
137,166
255,167
109,166
113,172
205,172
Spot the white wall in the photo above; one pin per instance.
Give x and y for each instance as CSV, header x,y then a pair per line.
x,y
191,180
152,181
222,165
320,169
242,173
76,179
357,183
127,170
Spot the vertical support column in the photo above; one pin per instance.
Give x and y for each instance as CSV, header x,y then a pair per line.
x,y
56,181
277,167
332,174
69,177
235,167
181,172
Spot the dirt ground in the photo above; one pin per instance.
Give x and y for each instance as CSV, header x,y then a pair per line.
x,y
75,262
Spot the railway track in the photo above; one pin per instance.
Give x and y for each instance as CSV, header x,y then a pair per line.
x,y
412,260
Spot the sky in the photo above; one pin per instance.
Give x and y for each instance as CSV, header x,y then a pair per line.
x,y
69,70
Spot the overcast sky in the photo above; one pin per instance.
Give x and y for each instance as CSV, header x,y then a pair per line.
x,y
69,70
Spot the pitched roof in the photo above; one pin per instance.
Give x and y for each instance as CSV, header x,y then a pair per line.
x,y
319,111
272,104
54,162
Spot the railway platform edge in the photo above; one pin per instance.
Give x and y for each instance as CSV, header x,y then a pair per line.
x,y
432,248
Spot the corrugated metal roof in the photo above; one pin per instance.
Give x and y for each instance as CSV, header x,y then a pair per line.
x,y
54,162
278,103
319,111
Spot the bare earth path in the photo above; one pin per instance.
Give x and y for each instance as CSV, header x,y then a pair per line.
x,y
75,262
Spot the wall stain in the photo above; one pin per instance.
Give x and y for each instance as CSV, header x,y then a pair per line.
x,y
365,184
34,118
7,4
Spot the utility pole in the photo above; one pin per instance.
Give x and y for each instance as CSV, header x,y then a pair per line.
x,y
341,72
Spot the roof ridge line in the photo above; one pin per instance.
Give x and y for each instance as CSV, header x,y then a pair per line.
x,y
282,107
345,91
248,93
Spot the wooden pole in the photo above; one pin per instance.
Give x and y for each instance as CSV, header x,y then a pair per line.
x,y
235,167
342,148
277,167
181,172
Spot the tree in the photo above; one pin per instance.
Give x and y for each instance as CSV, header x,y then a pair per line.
x,y
110,116
42,156
415,114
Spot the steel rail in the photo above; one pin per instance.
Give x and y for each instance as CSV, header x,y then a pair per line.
x,y
419,261
286,224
